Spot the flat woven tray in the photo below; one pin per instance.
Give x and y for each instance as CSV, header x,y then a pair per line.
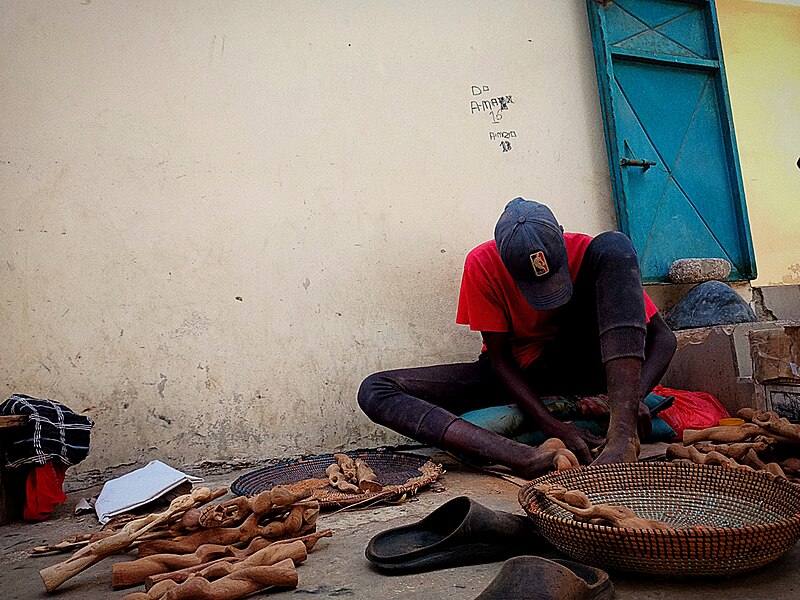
x,y
399,473
726,521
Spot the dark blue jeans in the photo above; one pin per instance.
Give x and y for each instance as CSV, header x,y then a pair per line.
x,y
605,319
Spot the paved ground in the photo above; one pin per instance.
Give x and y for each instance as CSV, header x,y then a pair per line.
x,y
337,567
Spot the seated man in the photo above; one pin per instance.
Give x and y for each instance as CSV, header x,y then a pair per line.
x,y
559,313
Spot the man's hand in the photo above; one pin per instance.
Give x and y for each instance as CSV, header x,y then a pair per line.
x,y
644,421
576,439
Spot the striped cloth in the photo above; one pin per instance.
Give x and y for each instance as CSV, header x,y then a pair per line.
x,y
53,432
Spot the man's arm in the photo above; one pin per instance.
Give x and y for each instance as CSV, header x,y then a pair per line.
x,y
659,348
505,367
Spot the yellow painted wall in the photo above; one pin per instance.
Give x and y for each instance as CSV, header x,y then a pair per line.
x,y
761,48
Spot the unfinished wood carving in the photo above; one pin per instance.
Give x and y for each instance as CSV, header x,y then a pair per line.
x,y
726,435
284,521
772,422
749,446
352,476
737,451
226,513
240,583
582,509
563,458
134,572
347,465
57,574
202,548
367,480
337,479
750,461
309,541
791,465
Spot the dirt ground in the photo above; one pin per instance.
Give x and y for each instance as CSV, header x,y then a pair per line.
x,y
337,566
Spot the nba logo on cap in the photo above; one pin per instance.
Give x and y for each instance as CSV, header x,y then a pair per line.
x,y
539,263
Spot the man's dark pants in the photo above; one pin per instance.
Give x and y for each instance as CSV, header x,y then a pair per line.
x,y
605,319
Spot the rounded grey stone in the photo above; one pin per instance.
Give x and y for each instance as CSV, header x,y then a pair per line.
x,y
707,304
698,270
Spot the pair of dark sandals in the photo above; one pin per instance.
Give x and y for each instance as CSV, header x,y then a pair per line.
x,y
463,532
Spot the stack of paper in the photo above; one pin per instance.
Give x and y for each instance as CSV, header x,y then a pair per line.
x,y
137,488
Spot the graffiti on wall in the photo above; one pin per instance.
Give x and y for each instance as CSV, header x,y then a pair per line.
x,y
497,108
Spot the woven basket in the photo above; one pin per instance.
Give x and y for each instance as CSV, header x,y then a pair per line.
x,y
399,473
726,521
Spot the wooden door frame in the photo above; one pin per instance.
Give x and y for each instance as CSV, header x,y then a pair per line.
x,y
603,66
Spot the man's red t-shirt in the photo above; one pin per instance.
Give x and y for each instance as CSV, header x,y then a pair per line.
x,y
490,300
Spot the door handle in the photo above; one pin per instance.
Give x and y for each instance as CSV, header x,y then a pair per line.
x,y
636,162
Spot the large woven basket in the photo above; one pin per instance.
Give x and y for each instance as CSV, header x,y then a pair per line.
x,y
399,473
725,521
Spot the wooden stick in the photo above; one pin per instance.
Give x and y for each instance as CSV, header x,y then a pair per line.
x,y
57,574
13,421
70,543
187,522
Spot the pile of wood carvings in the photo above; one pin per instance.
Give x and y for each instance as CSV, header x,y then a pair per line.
x,y
764,442
200,550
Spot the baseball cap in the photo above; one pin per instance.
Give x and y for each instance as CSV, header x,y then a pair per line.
x,y
531,245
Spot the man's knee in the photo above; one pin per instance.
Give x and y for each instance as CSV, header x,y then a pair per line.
x,y
612,245
371,390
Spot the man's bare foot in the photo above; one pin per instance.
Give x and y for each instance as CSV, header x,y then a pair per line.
x,y
622,451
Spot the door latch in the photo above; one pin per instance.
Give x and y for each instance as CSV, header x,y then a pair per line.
x,y
636,162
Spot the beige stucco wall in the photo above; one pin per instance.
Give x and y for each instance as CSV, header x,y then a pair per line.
x,y
217,217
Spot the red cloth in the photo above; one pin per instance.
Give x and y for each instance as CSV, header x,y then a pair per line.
x,y
489,299
43,491
691,410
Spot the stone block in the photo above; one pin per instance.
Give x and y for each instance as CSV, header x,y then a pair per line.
x,y
697,270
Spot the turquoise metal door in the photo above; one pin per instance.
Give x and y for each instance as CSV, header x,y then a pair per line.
x,y
669,133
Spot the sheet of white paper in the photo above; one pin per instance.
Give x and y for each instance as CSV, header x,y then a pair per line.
x,y
138,487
